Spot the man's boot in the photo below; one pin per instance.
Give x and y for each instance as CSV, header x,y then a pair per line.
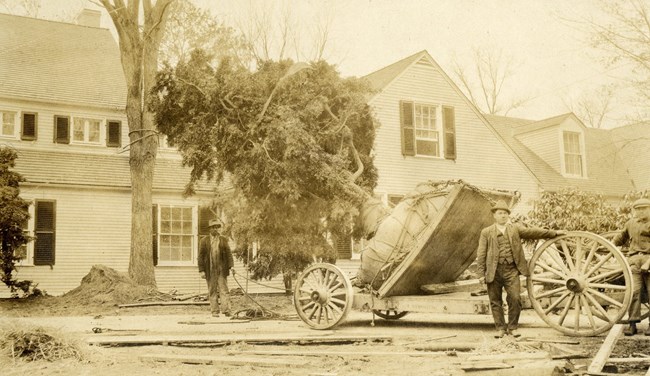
x,y
630,330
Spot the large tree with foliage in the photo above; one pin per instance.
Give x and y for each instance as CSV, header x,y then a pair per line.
x,y
139,47
13,215
293,140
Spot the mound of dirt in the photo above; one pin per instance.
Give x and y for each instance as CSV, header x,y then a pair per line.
x,y
104,285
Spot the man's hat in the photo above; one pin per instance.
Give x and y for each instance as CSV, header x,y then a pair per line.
x,y
641,203
214,223
500,205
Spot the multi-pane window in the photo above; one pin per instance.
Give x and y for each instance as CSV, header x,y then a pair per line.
x,y
85,130
572,154
8,128
176,236
426,130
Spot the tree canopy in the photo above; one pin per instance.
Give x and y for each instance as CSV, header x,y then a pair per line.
x,y
293,140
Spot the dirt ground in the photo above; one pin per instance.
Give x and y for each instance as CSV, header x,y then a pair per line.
x,y
95,304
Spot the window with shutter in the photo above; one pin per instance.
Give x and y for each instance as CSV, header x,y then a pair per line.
x,y
29,126
61,129
154,231
408,133
205,215
45,232
114,133
449,127
344,247
8,124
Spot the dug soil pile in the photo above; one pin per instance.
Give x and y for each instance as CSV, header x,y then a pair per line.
x,y
106,286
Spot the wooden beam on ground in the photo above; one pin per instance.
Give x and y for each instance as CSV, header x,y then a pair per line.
x,y
223,339
509,356
149,304
354,353
444,346
563,352
202,359
597,364
643,361
483,366
551,340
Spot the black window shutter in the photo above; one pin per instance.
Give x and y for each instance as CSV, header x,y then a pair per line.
x,y
113,133
45,232
449,127
29,126
205,215
154,231
408,131
61,129
343,247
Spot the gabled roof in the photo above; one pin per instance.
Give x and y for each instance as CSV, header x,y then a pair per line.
x,y
60,63
541,124
381,78
98,170
606,173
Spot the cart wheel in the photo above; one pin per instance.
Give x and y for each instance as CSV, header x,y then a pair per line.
x,y
323,296
578,284
390,314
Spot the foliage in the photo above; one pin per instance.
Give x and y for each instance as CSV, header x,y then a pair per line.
x,y
189,28
13,215
575,210
294,140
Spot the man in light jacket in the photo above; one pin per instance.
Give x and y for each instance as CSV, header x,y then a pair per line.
x,y
500,261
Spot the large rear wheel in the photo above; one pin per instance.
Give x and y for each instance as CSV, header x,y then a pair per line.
x,y
579,284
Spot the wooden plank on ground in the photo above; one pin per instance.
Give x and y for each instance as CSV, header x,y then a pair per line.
x,y
356,352
202,359
605,350
551,340
629,360
563,352
442,346
509,356
483,366
149,304
223,339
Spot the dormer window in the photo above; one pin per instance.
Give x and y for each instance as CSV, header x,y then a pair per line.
x,y
428,130
573,154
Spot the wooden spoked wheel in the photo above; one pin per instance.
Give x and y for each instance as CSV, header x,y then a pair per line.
x,y
323,296
389,314
579,284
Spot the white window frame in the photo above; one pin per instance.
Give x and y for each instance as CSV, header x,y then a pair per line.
x,y
86,141
194,235
581,154
437,128
29,259
14,114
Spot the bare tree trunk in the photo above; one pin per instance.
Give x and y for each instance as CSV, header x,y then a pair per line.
x,y
139,52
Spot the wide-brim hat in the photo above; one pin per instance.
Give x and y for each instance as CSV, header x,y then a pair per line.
x,y
214,223
500,205
641,203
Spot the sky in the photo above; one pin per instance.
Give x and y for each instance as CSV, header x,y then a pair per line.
x,y
552,62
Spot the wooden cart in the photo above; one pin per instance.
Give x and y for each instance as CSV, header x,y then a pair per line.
x,y
578,282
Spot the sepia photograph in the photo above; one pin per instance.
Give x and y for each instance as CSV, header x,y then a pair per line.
x,y
325,187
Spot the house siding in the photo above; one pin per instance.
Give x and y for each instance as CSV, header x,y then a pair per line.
x,y
482,159
544,143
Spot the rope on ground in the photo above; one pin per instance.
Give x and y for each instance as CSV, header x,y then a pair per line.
x,y
260,313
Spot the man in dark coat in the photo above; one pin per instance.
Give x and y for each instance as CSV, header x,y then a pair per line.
x,y
500,260
215,263
637,233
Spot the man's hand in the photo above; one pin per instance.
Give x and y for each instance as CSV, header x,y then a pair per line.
x,y
481,280
232,271
202,275
560,232
645,266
